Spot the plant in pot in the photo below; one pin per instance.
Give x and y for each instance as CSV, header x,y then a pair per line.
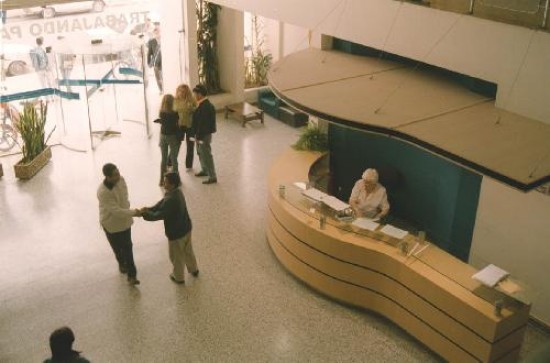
x,y
32,128
257,64
312,139
207,45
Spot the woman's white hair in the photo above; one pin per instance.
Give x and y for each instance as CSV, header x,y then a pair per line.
x,y
370,175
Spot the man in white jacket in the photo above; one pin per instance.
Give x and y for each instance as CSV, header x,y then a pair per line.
x,y
116,218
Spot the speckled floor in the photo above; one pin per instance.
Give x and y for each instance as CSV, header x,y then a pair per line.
x,y
56,267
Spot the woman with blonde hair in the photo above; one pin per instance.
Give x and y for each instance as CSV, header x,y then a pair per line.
x,y
184,105
169,142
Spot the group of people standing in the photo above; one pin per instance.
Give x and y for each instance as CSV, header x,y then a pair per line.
x,y
189,117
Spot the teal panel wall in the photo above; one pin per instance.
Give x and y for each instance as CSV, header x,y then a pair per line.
x,y
431,193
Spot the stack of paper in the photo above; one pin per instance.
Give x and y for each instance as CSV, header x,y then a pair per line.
x,y
300,185
365,223
335,203
394,231
490,275
314,194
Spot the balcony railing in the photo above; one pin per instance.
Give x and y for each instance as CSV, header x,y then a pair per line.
x,y
527,13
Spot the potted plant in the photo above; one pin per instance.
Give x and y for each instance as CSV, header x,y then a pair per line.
x,y
257,64
312,139
31,127
207,45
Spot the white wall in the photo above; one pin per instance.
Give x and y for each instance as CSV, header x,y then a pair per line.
x,y
512,228
272,38
513,231
173,65
231,52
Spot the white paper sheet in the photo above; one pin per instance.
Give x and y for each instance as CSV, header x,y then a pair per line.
x,y
490,275
300,185
365,223
314,194
335,203
394,231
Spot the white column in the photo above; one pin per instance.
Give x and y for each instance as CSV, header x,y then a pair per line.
x,y
190,64
231,52
173,50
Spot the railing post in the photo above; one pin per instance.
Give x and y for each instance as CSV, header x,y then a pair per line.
x,y
545,17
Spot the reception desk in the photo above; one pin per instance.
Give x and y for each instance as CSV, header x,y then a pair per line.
x,y
432,295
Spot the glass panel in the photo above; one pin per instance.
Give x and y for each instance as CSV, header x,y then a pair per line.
x,y
21,82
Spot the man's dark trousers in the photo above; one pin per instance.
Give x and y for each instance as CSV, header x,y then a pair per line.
x,y
121,243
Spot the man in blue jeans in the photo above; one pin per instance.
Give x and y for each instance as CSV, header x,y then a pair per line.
x,y
203,126
116,218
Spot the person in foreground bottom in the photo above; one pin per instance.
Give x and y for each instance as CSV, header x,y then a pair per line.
x,y
172,209
61,345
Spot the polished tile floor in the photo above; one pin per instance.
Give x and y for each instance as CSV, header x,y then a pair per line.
x,y
56,267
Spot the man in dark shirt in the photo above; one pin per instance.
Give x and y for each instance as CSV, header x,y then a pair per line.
x,y
61,344
154,56
177,227
204,125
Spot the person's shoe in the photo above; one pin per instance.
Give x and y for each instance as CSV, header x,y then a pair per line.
x,y
133,281
201,173
210,181
122,269
195,274
176,281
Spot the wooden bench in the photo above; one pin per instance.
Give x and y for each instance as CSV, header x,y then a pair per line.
x,y
245,112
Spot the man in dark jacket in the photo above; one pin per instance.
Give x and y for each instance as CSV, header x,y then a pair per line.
x,y
177,227
204,125
61,344
154,56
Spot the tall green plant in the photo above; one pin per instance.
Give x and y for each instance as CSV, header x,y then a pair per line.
x,y
207,45
257,65
32,128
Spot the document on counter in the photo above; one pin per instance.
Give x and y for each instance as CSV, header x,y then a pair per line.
x,y
300,185
335,203
490,275
314,194
394,231
366,223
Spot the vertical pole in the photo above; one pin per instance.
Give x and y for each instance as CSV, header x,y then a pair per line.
x,y
143,62
87,101
471,10
59,89
545,18
119,56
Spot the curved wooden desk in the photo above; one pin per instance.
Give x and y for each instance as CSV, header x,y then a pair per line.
x,y
437,306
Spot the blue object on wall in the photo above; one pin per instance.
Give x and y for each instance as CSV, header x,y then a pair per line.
x,y
427,191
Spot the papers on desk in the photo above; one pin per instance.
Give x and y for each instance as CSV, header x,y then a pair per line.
x,y
490,275
300,185
335,203
394,231
314,194
329,200
365,223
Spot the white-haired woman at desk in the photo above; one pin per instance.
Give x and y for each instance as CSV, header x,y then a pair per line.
x,y
368,198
